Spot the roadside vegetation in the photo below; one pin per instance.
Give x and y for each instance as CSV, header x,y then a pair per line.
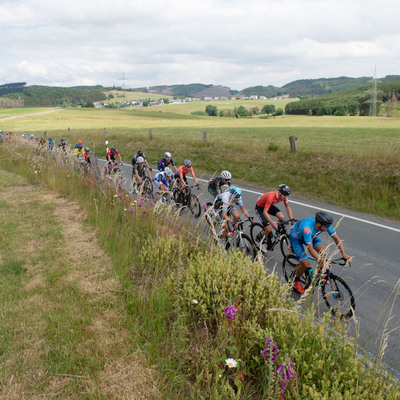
x,y
210,329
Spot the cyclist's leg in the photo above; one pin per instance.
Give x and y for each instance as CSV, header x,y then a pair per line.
x,y
301,255
267,226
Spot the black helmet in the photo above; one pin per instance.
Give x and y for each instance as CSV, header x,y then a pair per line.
x,y
323,218
285,190
140,153
62,140
188,163
113,149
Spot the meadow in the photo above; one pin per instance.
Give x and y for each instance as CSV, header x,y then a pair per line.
x,y
348,161
84,325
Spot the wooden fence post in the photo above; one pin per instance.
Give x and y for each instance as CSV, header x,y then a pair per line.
x,y
44,134
150,134
204,138
69,130
293,144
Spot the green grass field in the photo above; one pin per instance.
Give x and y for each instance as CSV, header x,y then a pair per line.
x,y
347,161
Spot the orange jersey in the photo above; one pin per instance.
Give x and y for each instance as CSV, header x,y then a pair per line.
x,y
183,170
267,199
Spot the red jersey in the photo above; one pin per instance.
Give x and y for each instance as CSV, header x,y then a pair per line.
x,y
112,153
267,199
183,170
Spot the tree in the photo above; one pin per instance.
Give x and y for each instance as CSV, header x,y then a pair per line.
x,y
241,112
268,109
212,111
279,111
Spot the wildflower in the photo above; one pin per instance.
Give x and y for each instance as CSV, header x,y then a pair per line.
x,y
267,349
132,209
152,204
115,195
288,373
125,209
117,236
204,207
231,363
230,312
194,301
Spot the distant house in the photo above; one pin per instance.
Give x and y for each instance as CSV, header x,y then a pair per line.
x,y
253,97
263,97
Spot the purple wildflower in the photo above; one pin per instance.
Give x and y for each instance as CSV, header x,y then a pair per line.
x,y
141,201
267,349
132,209
287,370
152,204
117,236
230,312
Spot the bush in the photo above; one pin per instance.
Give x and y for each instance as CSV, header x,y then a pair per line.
x,y
212,111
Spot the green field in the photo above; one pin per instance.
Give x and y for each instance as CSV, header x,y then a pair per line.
x,y
347,161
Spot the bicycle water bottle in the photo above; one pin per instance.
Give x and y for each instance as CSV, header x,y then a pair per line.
x,y
310,273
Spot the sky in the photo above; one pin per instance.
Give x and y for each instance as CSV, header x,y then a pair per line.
x,y
222,42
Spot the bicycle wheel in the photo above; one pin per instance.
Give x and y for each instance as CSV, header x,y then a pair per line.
x,y
194,205
338,296
285,246
245,245
257,235
289,267
148,185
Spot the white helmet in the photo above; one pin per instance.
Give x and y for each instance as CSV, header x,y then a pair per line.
x,y
167,155
140,160
168,171
226,174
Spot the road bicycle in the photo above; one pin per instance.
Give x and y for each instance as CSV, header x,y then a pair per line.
x,y
335,291
187,199
113,171
237,239
145,188
280,236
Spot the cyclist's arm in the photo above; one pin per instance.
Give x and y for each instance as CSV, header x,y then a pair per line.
x,y
244,211
148,166
289,213
120,159
194,177
149,173
313,253
340,246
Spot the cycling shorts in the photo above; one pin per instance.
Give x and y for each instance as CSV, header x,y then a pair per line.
x,y
212,191
273,210
298,247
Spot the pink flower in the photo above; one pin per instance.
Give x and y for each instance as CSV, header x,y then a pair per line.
x,y
230,312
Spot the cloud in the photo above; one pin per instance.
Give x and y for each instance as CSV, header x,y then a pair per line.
x,y
227,42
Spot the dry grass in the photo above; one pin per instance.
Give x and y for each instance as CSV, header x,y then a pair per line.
x,y
111,368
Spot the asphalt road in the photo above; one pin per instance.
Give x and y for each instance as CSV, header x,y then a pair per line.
x,y
373,277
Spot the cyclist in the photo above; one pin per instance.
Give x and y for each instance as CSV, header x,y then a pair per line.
x,y
79,144
139,170
111,158
86,155
225,203
138,154
50,144
180,175
216,183
165,162
305,232
164,179
62,145
265,208
42,141
78,152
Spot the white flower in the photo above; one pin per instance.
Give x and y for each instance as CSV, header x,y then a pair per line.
x,y
115,195
231,363
194,301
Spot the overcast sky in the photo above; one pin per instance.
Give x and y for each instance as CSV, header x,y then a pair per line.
x,y
227,42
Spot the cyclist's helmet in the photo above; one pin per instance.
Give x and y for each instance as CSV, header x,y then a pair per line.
x,y
188,163
226,175
140,160
87,149
285,190
140,153
235,191
62,140
113,149
50,139
79,141
323,218
168,171
167,155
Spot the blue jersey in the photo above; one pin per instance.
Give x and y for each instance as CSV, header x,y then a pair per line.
x,y
162,164
305,231
161,178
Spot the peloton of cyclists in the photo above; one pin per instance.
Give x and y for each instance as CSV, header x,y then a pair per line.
x,y
216,183
265,208
305,233
166,161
